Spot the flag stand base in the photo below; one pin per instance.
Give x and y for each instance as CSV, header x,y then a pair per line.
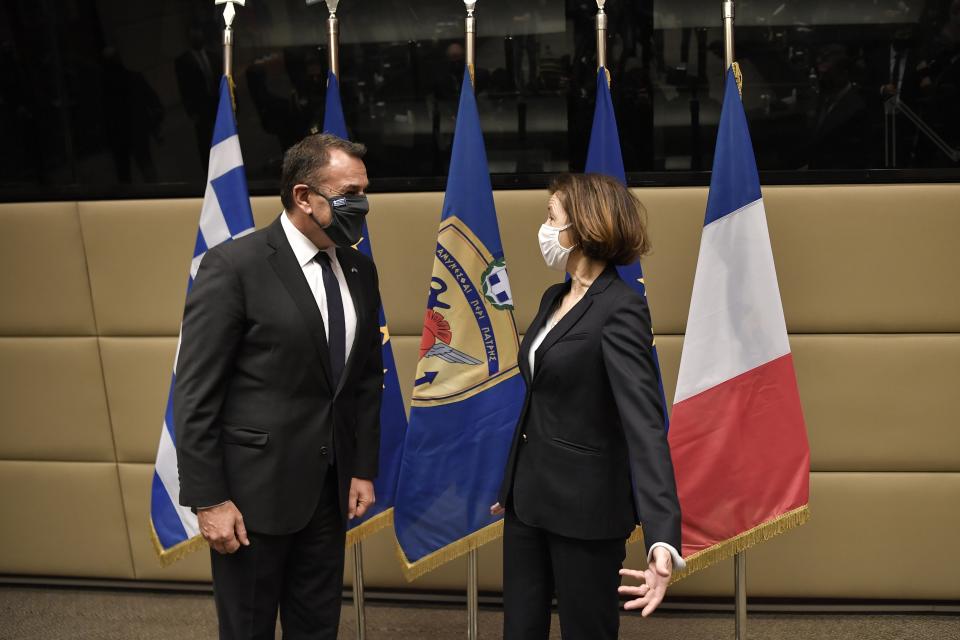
x,y
740,594
358,602
473,600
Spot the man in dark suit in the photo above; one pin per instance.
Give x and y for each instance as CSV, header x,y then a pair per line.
x,y
277,399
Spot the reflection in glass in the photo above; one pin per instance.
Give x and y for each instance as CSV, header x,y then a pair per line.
x,y
101,95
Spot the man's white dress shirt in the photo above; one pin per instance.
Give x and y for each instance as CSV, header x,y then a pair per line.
x,y
305,252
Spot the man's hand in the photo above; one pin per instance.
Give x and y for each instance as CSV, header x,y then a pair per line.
x,y
222,527
656,578
361,497
496,509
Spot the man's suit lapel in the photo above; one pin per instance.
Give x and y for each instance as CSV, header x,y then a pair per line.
x,y
352,274
285,264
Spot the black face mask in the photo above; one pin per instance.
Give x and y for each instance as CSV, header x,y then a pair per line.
x,y
348,213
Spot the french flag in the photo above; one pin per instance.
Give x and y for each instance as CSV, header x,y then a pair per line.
x,y
737,436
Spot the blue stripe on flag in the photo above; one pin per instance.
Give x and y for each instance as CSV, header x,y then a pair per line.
x,y
734,181
226,123
232,194
201,247
166,520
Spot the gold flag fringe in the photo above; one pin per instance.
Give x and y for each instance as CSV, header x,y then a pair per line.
x,y
376,523
414,570
168,556
742,542
426,564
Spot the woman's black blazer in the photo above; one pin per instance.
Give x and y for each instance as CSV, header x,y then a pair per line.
x,y
590,457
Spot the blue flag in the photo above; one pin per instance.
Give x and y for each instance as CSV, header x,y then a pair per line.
x,y
604,156
468,392
393,418
225,215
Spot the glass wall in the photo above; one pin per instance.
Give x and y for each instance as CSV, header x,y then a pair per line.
x,y
111,98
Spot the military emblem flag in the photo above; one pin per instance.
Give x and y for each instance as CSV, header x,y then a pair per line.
x,y
468,392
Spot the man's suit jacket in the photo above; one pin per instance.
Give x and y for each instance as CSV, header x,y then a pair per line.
x,y
590,458
257,416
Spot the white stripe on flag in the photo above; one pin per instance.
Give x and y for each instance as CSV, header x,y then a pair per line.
x,y
213,225
224,156
167,470
736,320
195,264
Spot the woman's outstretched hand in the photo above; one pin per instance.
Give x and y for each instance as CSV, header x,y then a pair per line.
x,y
655,580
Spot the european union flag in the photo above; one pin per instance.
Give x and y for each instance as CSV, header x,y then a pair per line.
x,y
225,216
468,392
604,156
393,418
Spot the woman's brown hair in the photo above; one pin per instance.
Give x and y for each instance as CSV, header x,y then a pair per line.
x,y
609,222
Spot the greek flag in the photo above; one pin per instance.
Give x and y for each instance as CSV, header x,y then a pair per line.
x,y
225,215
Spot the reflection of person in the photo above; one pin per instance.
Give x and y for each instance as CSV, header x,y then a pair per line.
x,y
590,458
198,78
839,123
277,399
132,113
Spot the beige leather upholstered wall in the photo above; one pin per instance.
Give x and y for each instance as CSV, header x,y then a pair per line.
x,y
92,292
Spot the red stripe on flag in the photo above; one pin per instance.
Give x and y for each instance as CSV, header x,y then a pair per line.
x,y
740,454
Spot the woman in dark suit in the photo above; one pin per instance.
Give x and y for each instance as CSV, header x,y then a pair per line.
x,y
590,458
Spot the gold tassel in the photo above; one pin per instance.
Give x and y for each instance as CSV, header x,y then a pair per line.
x,y
426,564
370,527
742,542
168,556
739,76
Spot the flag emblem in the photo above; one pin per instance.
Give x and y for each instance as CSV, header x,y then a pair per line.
x,y
496,285
470,291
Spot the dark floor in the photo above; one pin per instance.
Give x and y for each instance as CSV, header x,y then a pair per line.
x,y
82,614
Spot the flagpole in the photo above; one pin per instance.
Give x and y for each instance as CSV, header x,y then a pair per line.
x,y
471,30
333,32
602,37
728,14
356,552
739,559
473,600
228,14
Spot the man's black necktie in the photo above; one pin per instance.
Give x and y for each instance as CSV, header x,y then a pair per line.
x,y
336,326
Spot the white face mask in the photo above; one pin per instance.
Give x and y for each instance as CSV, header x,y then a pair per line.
x,y
554,254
